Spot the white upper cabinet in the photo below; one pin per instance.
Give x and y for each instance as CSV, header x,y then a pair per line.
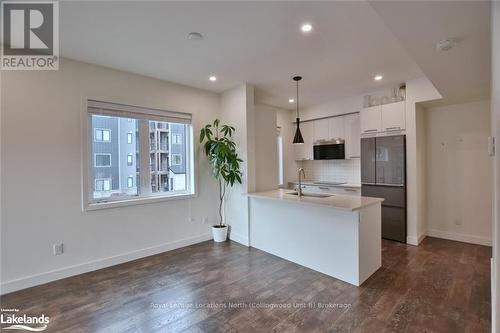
x,y
329,128
305,151
383,118
352,136
393,116
371,119
321,129
336,128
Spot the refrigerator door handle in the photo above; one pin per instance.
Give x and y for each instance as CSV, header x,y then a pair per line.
x,y
384,184
392,185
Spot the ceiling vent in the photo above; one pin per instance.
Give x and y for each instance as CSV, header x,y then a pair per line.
x,y
446,44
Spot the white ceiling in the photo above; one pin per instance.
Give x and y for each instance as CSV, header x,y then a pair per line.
x,y
462,74
256,42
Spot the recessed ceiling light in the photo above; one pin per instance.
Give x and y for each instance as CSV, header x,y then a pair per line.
x,y
291,100
212,78
306,27
378,77
195,36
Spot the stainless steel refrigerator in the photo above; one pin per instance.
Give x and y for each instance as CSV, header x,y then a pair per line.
x,y
383,175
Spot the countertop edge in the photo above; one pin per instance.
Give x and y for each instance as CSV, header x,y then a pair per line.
x,y
328,205
349,185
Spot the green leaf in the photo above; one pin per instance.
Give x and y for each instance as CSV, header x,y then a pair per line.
x,y
220,150
202,135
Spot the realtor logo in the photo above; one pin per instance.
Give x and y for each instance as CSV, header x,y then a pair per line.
x,y
30,35
10,319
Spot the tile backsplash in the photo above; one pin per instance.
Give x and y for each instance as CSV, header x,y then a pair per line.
x,y
334,170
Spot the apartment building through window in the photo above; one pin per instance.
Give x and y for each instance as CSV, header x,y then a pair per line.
x,y
135,169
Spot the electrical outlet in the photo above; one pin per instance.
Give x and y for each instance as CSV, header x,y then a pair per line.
x,y
58,248
204,220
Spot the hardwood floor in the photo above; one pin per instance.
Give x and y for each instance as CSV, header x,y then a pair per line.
x,y
440,286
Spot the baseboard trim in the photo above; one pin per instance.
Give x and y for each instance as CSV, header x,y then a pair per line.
x,y
493,296
41,278
412,240
239,239
459,237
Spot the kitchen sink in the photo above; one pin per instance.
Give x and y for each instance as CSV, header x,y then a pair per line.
x,y
314,195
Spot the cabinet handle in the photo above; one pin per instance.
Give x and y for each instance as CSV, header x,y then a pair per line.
x,y
323,188
350,190
393,128
371,130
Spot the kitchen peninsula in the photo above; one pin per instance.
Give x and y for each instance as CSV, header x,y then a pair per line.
x,y
338,235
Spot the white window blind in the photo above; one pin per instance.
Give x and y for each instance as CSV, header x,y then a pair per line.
x,y
130,111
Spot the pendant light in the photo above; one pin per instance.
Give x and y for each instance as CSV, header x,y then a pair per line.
x,y
297,139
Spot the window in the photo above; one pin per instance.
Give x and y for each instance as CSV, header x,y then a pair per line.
x,y
140,164
102,135
176,139
102,160
176,159
102,185
280,159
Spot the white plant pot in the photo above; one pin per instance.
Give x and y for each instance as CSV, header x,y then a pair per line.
x,y
219,234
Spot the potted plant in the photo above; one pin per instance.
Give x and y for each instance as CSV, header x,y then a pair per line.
x,y
220,150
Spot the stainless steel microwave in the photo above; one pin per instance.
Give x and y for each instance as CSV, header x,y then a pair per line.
x,y
329,150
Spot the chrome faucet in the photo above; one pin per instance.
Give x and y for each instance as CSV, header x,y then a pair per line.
x,y
301,173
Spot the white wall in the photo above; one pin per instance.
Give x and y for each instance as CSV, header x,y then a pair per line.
x,y
284,119
41,176
417,90
459,182
266,148
495,116
421,169
237,109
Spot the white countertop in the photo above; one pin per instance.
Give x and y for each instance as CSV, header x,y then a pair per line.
x,y
343,202
327,183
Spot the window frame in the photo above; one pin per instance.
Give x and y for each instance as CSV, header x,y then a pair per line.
x,y
178,139
103,180
145,196
180,158
102,166
102,130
